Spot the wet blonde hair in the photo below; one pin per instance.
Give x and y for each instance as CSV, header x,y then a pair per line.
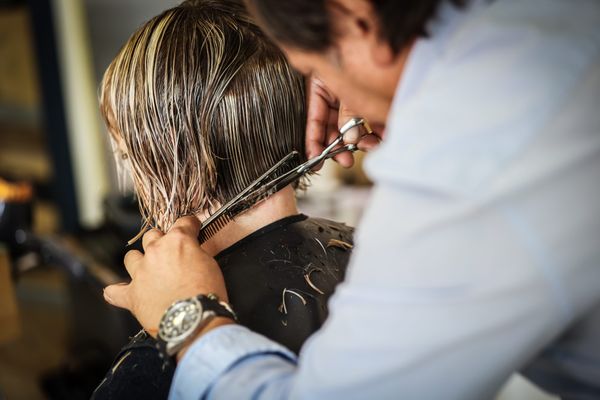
x,y
203,103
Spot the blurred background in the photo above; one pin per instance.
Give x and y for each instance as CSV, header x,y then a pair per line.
x,y
64,223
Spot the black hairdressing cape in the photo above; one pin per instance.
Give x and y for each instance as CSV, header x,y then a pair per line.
x,y
278,280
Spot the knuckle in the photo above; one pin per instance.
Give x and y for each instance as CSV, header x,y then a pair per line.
x,y
151,232
176,233
150,244
151,235
178,236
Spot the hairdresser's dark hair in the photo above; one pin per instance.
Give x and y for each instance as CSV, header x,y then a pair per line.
x,y
305,24
203,104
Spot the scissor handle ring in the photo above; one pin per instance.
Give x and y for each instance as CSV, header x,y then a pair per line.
x,y
352,123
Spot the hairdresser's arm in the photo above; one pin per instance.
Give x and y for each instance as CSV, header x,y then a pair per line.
x,y
417,315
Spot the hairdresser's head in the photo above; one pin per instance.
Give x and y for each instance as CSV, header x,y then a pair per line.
x,y
357,47
202,104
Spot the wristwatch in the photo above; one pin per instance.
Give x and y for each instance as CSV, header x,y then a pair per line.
x,y
184,318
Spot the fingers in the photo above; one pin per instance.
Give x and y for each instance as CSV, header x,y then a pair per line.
x,y
321,105
151,236
118,295
316,128
325,116
132,258
346,159
369,142
379,131
352,135
188,225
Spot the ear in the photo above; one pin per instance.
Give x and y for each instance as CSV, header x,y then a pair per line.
x,y
356,20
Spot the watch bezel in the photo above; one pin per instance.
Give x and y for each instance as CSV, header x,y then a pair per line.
x,y
175,307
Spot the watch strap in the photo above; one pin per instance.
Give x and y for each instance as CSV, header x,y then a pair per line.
x,y
211,305
211,302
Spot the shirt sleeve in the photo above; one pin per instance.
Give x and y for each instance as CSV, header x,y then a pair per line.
x,y
419,314
219,351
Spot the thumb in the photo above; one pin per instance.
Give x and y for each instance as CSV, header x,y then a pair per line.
x,y
345,159
118,295
353,135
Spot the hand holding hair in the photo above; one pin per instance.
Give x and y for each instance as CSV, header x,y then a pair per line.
x,y
174,267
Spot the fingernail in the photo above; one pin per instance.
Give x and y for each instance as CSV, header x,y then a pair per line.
x,y
352,135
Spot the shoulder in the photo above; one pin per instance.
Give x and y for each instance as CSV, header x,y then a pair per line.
x,y
476,96
328,228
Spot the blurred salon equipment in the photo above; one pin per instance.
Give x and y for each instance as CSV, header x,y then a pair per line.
x,y
64,228
91,346
63,241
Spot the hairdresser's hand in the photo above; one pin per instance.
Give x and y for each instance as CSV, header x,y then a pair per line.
x,y
325,116
174,267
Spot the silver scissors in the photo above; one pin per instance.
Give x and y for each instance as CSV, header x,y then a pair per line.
x,y
268,186
276,178
331,151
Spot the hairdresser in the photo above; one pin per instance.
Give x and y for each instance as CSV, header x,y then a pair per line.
x,y
478,254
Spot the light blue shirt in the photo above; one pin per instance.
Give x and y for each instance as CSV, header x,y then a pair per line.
x,y
480,246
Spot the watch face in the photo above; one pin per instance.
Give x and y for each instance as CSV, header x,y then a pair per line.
x,y
180,320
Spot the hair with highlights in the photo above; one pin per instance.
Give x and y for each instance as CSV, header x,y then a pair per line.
x,y
204,104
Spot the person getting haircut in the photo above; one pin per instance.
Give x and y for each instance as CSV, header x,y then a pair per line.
x,y
202,104
199,103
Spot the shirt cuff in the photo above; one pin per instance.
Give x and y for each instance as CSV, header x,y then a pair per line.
x,y
215,353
